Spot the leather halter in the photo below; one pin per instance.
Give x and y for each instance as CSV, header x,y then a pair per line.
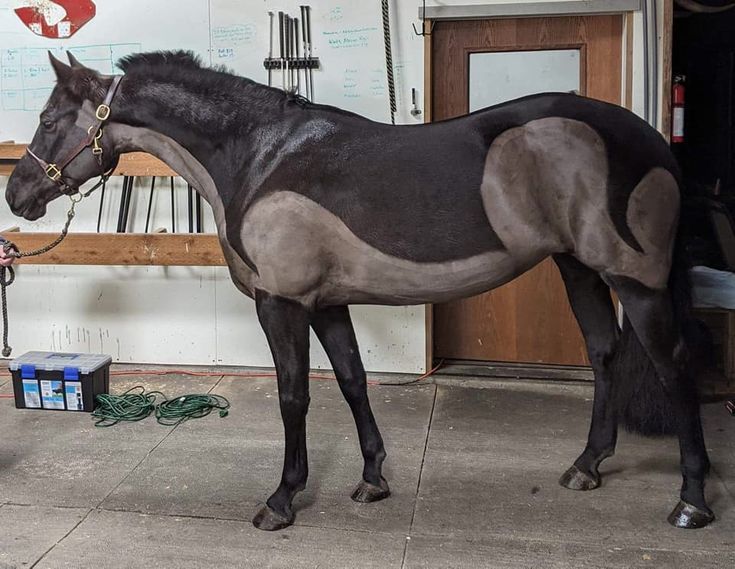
x,y
55,171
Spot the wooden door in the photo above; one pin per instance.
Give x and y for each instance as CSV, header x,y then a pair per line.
x,y
529,319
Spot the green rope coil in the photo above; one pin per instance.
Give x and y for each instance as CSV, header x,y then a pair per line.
x,y
136,404
173,412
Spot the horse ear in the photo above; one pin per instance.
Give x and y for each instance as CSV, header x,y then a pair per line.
x,y
62,70
75,63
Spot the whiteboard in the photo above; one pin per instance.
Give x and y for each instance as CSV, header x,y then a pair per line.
x,y
347,37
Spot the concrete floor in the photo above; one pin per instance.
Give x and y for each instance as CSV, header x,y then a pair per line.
x,y
473,474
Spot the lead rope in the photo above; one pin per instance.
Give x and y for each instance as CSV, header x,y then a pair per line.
x,y
7,274
389,61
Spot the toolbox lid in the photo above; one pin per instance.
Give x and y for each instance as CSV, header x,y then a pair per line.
x,y
57,361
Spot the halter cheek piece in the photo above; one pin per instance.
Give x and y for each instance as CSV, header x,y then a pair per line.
x,y
55,172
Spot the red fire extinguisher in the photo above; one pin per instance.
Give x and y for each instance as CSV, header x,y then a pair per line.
x,y
677,107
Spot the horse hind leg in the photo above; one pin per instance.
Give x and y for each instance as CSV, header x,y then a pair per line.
x,y
651,314
333,327
590,300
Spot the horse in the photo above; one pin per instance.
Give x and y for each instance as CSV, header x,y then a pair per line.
x,y
318,208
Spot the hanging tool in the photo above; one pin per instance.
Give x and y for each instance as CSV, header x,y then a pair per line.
x,y
306,55
270,48
289,47
173,207
102,203
415,111
150,204
282,50
298,55
309,55
295,52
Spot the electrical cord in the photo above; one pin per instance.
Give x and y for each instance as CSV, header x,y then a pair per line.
x,y
137,404
134,405
172,412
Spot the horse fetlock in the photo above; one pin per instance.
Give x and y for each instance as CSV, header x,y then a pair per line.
x,y
367,492
577,479
689,516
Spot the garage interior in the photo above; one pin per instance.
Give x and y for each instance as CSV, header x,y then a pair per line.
x,y
482,410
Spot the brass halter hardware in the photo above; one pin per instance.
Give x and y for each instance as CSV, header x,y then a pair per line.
x,y
103,112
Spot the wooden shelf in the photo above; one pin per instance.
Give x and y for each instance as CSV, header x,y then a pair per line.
x,y
123,249
132,164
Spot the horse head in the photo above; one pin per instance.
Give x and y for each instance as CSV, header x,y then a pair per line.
x,y
68,147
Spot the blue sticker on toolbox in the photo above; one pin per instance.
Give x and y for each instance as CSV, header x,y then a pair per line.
x,y
73,392
28,371
52,395
31,394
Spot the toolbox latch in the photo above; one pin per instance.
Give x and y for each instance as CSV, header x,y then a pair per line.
x,y
27,371
71,373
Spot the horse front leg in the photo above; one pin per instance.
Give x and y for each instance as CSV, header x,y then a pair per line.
x,y
333,327
286,326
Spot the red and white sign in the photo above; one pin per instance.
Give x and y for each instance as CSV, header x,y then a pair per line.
x,y
56,18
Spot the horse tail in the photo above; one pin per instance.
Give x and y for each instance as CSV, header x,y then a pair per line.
x,y
641,403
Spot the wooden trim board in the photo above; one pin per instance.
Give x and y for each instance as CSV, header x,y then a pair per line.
x,y
132,164
123,249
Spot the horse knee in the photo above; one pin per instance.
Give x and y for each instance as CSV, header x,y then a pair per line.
x,y
354,387
293,405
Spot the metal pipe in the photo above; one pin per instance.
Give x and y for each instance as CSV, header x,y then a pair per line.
x,y
128,199
190,209
199,212
150,204
102,201
173,207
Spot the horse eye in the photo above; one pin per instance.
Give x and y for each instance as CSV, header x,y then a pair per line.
x,y
48,125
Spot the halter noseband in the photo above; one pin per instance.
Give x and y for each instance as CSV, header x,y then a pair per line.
x,y
55,172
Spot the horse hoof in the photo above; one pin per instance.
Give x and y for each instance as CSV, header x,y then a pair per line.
x,y
575,479
268,519
366,492
689,516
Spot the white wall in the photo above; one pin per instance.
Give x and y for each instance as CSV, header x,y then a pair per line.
x,y
195,315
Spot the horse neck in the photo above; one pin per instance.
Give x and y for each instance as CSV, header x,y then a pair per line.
x,y
203,138
210,121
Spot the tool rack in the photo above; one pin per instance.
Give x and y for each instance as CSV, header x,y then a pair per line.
x,y
164,249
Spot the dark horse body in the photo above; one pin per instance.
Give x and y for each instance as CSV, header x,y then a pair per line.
x,y
318,208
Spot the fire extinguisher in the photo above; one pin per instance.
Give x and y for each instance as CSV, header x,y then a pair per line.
x,y
677,107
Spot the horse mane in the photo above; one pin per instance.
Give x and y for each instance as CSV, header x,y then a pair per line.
x,y
185,68
180,58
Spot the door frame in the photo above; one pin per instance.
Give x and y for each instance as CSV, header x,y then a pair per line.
x,y
526,10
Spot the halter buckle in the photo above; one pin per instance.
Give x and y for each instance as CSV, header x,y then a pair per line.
x,y
53,172
103,112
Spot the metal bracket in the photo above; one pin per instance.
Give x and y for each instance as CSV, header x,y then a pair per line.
x,y
423,31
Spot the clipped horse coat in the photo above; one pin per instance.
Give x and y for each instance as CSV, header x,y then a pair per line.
x,y
318,208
